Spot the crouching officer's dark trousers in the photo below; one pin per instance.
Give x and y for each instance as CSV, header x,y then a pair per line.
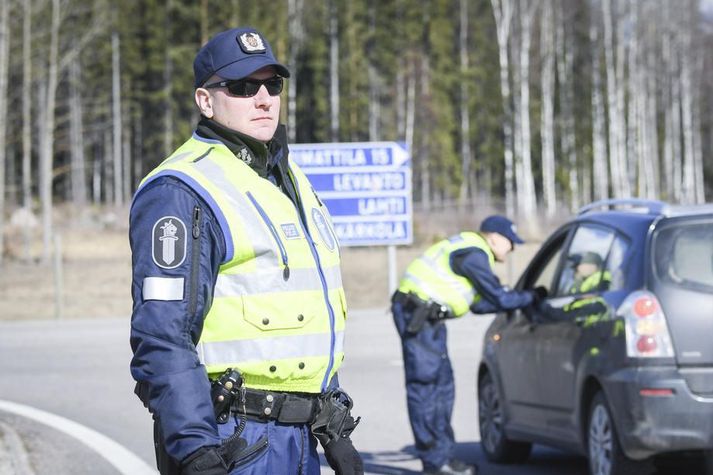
x,y
430,389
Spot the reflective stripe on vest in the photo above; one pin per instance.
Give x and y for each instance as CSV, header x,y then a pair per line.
x,y
278,308
431,278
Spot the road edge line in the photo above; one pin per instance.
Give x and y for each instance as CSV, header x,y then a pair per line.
x,y
125,461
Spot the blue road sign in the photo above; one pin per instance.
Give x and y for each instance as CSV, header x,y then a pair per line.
x,y
365,185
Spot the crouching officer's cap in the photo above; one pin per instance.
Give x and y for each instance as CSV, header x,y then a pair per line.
x,y
234,54
501,225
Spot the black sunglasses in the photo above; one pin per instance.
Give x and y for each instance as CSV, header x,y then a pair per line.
x,y
248,87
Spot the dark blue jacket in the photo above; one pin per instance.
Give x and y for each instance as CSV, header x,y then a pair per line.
x,y
473,264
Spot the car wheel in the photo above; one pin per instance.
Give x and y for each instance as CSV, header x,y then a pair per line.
x,y
497,447
606,456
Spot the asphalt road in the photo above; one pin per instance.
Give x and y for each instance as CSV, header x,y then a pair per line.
x,y
78,370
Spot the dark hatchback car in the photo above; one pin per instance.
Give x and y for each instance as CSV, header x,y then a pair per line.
x,y
616,363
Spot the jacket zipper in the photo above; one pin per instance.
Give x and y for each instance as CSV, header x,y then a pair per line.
x,y
273,231
195,255
323,280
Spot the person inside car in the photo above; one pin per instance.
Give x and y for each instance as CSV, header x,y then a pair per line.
x,y
589,275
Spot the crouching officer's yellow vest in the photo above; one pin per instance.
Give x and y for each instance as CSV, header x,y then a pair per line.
x,y
278,309
430,276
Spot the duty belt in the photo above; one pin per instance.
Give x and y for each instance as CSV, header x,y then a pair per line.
x,y
433,309
290,408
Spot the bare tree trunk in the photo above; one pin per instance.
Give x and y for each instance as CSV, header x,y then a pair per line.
x,y
116,119
126,153
47,140
334,71
548,108
615,119
599,140
465,150
108,171
374,78
26,111
697,139
410,106
295,13
650,119
76,132
425,152
526,184
4,66
565,62
503,11
167,84
689,181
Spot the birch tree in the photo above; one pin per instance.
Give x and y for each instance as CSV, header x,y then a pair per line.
x,y
334,71
47,134
599,141
547,133
4,62
295,13
26,109
526,183
565,61
616,120
76,132
116,120
465,150
503,11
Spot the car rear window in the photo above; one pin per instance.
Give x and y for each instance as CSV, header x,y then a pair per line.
x,y
683,255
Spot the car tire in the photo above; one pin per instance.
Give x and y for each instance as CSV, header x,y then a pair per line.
x,y
606,457
496,446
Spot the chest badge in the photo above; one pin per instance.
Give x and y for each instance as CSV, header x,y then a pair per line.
x,y
321,223
168,246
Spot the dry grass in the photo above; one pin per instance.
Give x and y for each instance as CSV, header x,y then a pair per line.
x,y
96,266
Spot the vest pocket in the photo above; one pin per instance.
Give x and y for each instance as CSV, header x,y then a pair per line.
x,y
270,312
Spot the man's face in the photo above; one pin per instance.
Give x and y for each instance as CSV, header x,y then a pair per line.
x,y
501,246
256,116
585,269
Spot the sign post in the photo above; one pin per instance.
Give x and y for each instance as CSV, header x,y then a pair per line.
x,y
367,188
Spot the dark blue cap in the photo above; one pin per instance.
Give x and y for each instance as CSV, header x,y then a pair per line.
x,y
501,225
234,54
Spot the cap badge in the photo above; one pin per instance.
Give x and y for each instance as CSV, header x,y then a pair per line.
x,y
251,43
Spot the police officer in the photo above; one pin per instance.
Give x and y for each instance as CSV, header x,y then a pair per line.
x,y
453,276
238,318
588,275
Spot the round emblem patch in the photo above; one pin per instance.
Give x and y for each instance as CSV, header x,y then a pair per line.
x,y
321,222
168,245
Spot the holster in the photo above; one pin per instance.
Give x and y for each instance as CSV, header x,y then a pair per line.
x,y
334,419
418,317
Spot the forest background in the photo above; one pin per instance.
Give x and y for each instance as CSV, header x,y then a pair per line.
x,y
528,107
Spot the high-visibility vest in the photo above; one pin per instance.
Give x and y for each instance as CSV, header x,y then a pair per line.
x,y
278,309
430,276
591,282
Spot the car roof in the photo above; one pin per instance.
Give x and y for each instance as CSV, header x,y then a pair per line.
x,y
634,216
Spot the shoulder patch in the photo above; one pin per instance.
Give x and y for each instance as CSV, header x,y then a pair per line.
x,y
321,223
168,245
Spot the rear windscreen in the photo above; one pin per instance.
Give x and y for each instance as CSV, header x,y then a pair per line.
x,y
683,255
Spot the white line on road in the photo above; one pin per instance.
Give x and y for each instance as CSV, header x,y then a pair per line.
x,y
122,459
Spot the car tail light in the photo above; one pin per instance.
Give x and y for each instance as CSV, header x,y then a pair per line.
x,y
647,334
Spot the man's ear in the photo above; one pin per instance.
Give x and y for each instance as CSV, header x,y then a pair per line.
x,y
204,101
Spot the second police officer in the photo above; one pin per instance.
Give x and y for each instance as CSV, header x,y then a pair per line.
x,y
452,277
